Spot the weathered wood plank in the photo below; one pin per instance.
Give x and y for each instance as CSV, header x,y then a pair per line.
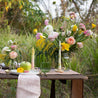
x,y
53,75
47,77
77,89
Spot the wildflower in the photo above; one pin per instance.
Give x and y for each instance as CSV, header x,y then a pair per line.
x,y
48,29
90,32
20,70
93,26
10,42
74,29
5,49
35,31
13,47
6,8
13,54
71,40
72,15
38,35
86,33
46,22
68,33
63,33
80,44
80,31
53,36
40,43
82,27
65,46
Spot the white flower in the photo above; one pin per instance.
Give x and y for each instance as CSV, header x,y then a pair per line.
x,y
5,49
68,33
48,29
90,32
63,33
10,42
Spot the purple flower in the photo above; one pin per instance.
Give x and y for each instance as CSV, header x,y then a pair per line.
x,y
46,22
87,33
38,35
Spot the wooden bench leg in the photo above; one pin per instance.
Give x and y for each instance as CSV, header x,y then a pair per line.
x,y
52,95
77,88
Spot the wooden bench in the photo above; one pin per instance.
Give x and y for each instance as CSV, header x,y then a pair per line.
x,y
75,77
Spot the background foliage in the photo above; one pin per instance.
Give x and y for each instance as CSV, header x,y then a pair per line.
x,y
18,18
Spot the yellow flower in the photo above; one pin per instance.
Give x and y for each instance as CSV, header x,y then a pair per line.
x,y
80,31
41,37
35,31
20,70
65,46
40,43
93,26
74,29
6,8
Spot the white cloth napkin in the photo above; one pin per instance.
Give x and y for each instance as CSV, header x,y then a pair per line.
x,y
28,86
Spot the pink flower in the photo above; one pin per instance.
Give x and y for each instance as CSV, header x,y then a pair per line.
x,y
80,44
38,35
72,15
46,22
82,27
53,36
63,33
71,40
13,54
13,47
87,33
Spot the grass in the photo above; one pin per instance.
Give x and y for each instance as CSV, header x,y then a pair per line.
x,y
84,61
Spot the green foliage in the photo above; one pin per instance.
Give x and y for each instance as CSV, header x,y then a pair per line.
x,y
25,44
20,15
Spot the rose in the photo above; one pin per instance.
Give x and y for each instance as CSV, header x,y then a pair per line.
x,y
46,22
80,44
13,54
38,35
71,40
13,47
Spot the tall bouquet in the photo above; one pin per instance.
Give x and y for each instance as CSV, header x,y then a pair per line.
x,y
71,35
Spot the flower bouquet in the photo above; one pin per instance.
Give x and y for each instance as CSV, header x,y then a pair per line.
x,y
65,39
9,54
